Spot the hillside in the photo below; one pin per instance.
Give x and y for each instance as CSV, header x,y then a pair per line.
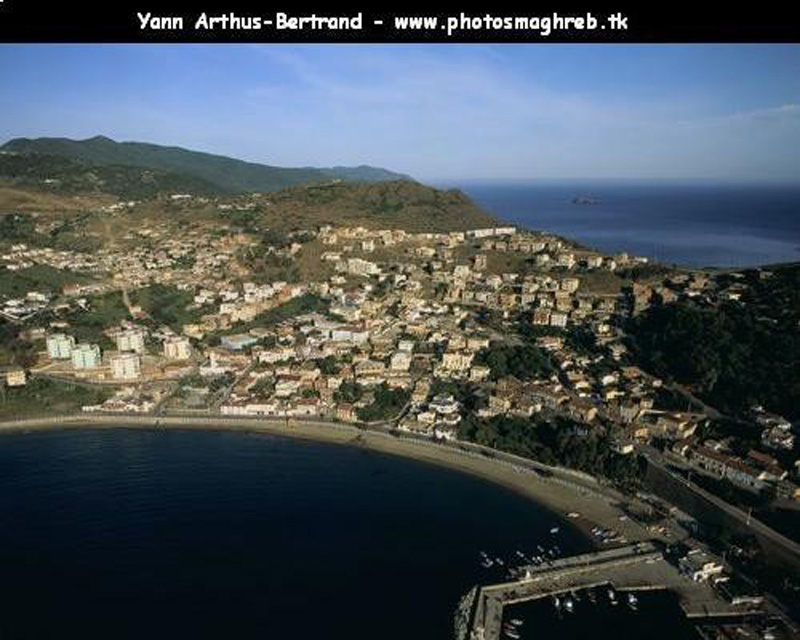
x,y
402,204
229,174
60,175
52,184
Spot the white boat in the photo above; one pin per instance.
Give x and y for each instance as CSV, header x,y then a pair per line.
x,y
554,530
557,603
633,601
569,605
516,622
612,597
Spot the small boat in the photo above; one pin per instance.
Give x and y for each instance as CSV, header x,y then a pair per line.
x,y
499,562
515,622
511,633
592,596
557,603
633,601
554,530
569,605
612,597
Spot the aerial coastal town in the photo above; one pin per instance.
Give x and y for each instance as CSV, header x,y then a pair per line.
x,y
395,320
493,340
401,313
473,336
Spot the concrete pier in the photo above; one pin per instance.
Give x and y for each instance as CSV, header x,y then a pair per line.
x,y
634,567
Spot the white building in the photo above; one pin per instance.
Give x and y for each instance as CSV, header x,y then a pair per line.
x,y
505,231
177,349
558,319
406,345
359,267
126,366
456,361
131,340
443,404
16,378
699,566
565,259
86,356
60,346
570,285
401,361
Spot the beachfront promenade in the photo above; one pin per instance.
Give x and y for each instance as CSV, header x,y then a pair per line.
x,y
639,566
583,483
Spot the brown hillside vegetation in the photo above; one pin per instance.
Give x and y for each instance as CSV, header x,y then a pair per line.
x,y
400,204
15,199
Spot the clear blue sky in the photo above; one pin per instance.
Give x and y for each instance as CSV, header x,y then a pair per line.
x,y
436,112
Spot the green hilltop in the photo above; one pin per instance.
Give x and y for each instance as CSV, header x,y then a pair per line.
x,y
56,172
226,174
399,204
62,175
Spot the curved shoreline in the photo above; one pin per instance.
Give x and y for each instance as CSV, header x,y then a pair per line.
x,y
558,495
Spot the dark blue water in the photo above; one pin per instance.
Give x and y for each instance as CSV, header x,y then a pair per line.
x,y
654,616
684,224
145,534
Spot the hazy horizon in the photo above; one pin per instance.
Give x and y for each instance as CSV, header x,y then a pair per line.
x,y
713,113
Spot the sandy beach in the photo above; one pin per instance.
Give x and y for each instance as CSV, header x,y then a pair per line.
x,y
596,505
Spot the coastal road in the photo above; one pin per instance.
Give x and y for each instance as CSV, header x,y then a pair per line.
x,y
654,457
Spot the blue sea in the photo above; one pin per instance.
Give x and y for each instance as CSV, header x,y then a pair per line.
x,y
686,224
190,534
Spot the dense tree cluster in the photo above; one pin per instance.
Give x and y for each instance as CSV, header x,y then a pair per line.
x,y
13,348
734,355
167,305
17,226
348,392
387,404
558,441
306,303
524,362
